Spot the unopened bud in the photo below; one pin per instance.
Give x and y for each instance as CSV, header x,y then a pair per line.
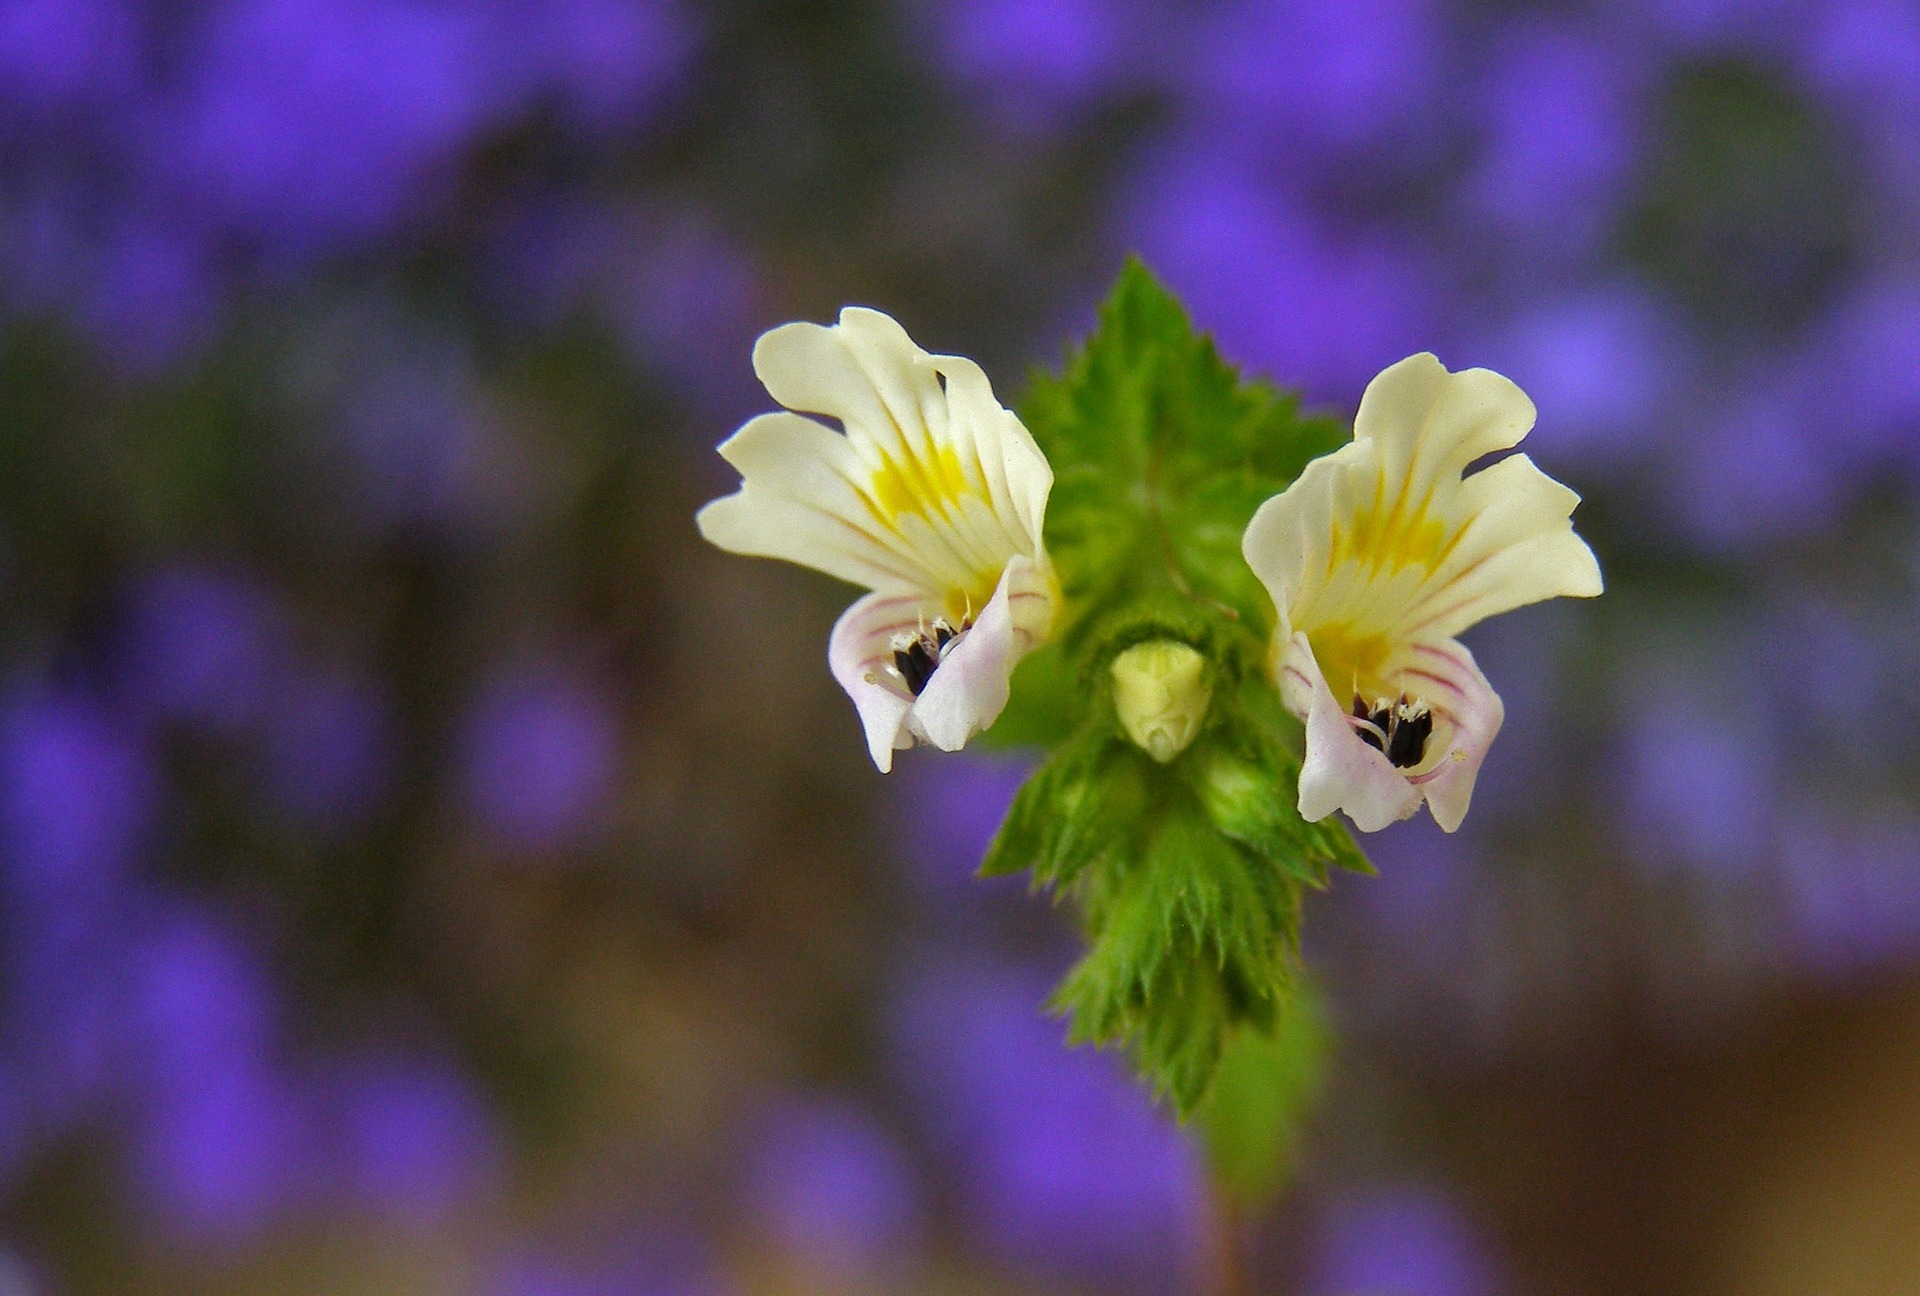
x,y
1161,691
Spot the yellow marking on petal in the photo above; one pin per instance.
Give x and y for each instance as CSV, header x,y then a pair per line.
x,y
1351,661
962,606
1385,538
934,490
930,488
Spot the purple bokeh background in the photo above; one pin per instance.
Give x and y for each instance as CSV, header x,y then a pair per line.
x,y
418,857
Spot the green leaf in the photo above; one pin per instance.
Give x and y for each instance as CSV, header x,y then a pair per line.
x,y
1187,939
1265,1085
1235,778
1072,813
1161,454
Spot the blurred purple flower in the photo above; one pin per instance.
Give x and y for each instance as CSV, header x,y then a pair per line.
x,y
1319,78
608,62
42,253
222,1140
1424,946
201,1001
1864,375
203,642
539,1276
540,754
331,749
1063,1163
413,1139
831,1185
1709,27
549,259
20,1276
1524,653
1862,59
1753,472
17,1130
1033,63
418,435
311,124
66,1025
78,790
1281,294
224,1159
1821,658
652,1268
59,54
686,302
1428,884
955,806
1864,55
1560,129
1852,895
153,297
1700,781
1604,367
1405,1240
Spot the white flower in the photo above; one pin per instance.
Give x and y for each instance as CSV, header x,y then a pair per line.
x,y
1377,557
933,499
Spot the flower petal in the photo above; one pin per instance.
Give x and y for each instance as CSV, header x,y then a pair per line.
x,y
797,501
969,690
859,652
1017,474
947,475
1429,424
1517,547
1455,688
1341,772
1382,543
1292,533
812,368
933,496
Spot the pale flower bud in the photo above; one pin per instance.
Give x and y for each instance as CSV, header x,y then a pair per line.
x,y
1161,691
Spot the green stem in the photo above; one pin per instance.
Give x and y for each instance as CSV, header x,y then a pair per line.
x,y
1226,1271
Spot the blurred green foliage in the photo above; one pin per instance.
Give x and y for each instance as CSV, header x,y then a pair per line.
x,y
1267,1083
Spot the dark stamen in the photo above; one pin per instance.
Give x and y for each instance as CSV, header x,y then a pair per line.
x,y
916,663
1407,737
1399,730
1368,736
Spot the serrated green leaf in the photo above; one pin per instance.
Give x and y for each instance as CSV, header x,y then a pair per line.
x,y
1072,813
1188,936
1161,454
1236,779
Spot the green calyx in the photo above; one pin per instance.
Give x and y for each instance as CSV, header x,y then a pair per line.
x,y
1166,811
